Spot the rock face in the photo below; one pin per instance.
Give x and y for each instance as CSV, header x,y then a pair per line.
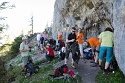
x,y
119,31
93,16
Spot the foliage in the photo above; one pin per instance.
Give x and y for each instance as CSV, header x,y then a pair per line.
x,y
14,50
116,77
10,51
4,49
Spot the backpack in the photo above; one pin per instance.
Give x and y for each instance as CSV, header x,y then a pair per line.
x,y
30,68
89,54
60,71
52,42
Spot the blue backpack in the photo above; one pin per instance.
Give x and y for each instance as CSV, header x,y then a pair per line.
x,y
89,54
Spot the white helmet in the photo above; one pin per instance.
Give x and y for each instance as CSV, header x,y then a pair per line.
x,y
24,37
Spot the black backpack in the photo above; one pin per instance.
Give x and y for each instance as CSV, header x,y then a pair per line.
x,y
30,68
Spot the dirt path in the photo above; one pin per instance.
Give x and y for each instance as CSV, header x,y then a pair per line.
x,y
84,70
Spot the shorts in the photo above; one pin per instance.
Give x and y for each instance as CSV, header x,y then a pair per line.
x,y
25,59
108,51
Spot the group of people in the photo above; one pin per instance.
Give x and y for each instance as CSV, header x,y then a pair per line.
x,y
101,46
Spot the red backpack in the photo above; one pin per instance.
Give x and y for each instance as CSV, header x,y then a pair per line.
x,y
60,71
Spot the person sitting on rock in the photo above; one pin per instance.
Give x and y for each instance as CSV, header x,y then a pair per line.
x,y
94,43
50,53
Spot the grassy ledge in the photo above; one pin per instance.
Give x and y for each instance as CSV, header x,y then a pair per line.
x,y
41,77
116,77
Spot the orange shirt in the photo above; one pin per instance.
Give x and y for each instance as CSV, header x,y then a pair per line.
x,y
93,41
80,38
60,37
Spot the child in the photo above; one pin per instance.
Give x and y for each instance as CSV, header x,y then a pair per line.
x,y
50,53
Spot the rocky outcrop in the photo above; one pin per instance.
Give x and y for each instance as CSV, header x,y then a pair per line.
x,y
93,16
119,31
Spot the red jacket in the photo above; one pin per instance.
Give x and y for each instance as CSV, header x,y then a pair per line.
x,y
51,52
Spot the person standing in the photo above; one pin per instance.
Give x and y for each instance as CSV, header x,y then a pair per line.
x,y
95,44
38,40
45,35
60,38
70,41
24,49
41,43
106,39
79,37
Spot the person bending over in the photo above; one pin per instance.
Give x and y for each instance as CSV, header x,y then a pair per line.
x,y
106,39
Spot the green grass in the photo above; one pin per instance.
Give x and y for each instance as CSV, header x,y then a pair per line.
x,y
41,77
116,77
40,61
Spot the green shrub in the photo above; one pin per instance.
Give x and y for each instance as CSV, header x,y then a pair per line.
x,y
11,50
14,50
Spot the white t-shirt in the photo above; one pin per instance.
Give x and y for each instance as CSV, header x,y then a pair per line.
x,y
38,37
24,46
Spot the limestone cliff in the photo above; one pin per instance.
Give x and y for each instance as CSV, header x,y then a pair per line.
x,y
93,16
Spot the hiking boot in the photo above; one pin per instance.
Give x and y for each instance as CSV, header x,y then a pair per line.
x,y
101,68
105,71
73,66
94,65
